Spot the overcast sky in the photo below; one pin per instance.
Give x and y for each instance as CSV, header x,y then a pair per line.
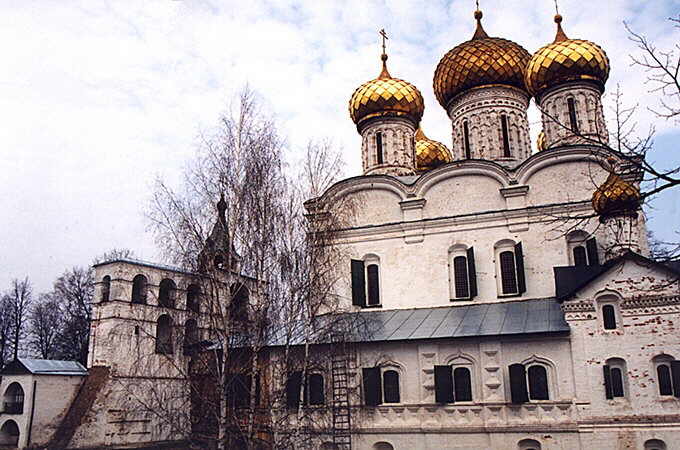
x,y
98,97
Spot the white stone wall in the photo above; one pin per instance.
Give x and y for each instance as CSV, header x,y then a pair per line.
x,y
482,109
399,150
589,115
52,395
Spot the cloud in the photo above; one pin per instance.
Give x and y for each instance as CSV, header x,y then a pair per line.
x,y
99,97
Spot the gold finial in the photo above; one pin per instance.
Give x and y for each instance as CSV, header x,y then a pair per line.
x,y
560,35
384,73
479,32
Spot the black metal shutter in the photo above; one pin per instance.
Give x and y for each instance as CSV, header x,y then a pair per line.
x,y
443,384
608,382
675,375
519,264
518,383
372,386
591,247
472,272
293,386
358,283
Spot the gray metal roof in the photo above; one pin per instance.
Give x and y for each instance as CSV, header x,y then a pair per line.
x,y
52,367
457,321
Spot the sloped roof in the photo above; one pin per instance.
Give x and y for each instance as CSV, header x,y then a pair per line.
x,y
43,367
570,280
459,321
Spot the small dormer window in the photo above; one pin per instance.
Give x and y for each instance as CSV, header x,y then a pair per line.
x,y
379,147
573,123
506,137
466,140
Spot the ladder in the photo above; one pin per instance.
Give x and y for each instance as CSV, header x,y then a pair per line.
x,y
341,412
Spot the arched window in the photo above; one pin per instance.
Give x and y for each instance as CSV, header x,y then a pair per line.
x,y
139,289
510,268
609,317
14,399
506,139
573,122
381,385
166,293
528,383
315,389
238,308
655,444
379,147
614,378
164,335
580,257
538,382
528,444
461,279
9,434
193,298
382,446
373,284
190,336
106,288
462,384
668,375
466,140
391,386
508,272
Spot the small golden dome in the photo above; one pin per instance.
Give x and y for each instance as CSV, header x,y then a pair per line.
x,y
481,61
566,60
616,196
541,144
430,154
386,97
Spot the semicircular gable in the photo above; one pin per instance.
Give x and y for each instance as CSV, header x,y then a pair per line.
x,y
477,168
552,157
363,183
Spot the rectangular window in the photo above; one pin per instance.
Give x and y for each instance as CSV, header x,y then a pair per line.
x,y
518,383
591,249
508,273
519,264
443,384
609,317
293,387
373,276
472,272
506,138
460,277
372,386
572,115
379,147
466,140
462,383
358,283
675,376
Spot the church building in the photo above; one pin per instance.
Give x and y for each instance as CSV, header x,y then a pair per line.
x,y
509,297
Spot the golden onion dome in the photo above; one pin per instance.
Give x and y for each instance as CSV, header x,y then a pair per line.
x,y
616,196
481,61
541,143
566,60
430,154
386,97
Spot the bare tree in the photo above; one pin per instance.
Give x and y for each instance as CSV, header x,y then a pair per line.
x,y
265,272
73,291
5,330
45,322
18,302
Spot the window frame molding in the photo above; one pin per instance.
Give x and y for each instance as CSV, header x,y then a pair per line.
x,y
500,247
466,361
401,371
663,359
612,298
550,371
617,362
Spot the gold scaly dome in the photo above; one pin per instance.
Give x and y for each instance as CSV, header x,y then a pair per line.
x,y
616,196
566,60
430,154
481,61
386,97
